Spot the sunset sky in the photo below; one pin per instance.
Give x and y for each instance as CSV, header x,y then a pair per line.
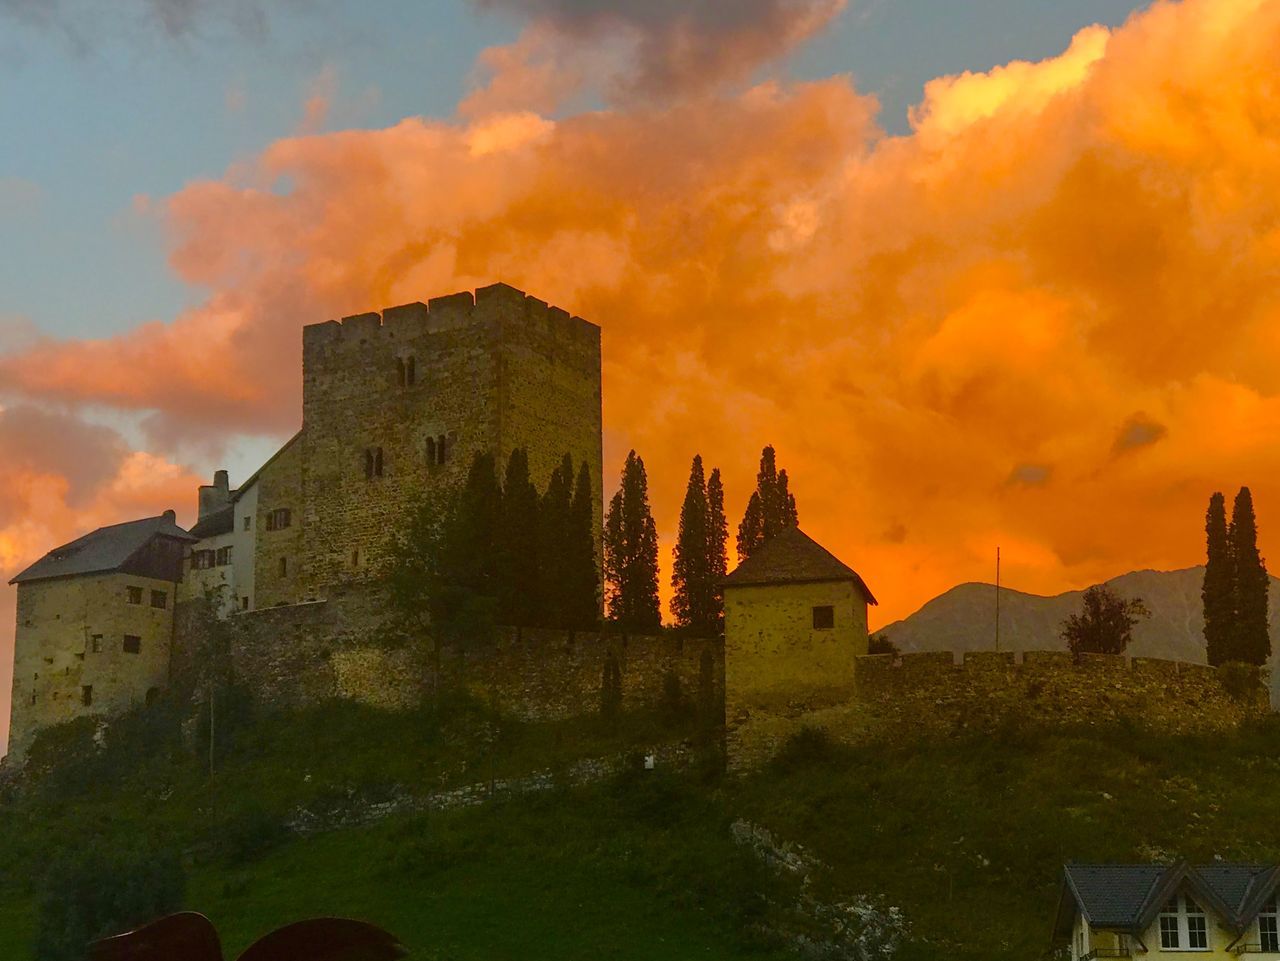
x,y
1002,272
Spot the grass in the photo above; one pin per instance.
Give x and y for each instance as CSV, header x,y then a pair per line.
x,y
967,836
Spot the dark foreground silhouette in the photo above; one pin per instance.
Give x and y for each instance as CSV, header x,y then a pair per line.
x,y
192,937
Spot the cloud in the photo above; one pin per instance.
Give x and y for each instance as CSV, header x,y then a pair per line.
x,y
1030,475
640,49
1139,431
84,23
913,321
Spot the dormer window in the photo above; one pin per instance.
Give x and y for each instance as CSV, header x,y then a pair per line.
x,y
1183,925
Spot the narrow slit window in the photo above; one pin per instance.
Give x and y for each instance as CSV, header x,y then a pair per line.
x,y
377,462
86,695
410,372
442,448
431,451
400,372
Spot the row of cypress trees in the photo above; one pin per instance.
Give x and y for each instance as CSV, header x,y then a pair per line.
x,y
699,561
1235,584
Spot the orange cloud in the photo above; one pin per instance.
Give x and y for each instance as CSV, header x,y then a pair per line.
x,y
1046,318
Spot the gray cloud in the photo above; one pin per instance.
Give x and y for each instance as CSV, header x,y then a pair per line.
x,y
86,455
1030,475
1138,431
684,45
83,22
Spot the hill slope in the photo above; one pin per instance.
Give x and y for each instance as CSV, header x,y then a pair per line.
x,y
963,619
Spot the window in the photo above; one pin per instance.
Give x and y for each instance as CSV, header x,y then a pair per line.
x,y
95,643
159,599
153,695
431,451
1269,926
355,557
224,556
279,519
202,560
248,521
134,595
372,463
284,566
244,603
400,371
132,644
1183,925
410,372
86,695
824,618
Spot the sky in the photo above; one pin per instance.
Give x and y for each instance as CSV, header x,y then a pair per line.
x,y
993,273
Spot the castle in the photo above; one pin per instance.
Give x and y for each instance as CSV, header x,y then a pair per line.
x,y
394,404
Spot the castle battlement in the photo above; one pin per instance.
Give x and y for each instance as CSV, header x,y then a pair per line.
x,y
497,302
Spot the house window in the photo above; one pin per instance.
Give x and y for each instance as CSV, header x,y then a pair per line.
x,y
86,695
1183,925
160,599
284,566
95,643
1269,926
248,521
824,618
201,560
132,644
279,519
244,603
134,595
224,556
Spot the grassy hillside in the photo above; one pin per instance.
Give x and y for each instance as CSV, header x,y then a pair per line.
x,y
966,837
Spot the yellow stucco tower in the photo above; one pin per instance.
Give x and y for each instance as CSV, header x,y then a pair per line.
x,y
795,619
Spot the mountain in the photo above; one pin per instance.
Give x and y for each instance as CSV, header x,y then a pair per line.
x,y
963,619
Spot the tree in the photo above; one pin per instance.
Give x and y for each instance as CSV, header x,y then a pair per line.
x,y
443,577
770,508
1105,623
1218,593
631,552
519,600
582,575
718,536
99,891
555,523
693,600
1250,642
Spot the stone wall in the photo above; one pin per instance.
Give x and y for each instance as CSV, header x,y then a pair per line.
x,y
297,654
484,372
279,565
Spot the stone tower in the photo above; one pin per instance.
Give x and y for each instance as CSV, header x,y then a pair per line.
x,y
398,402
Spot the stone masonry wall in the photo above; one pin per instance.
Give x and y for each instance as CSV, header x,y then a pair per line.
x,y
279,486
298,654
490,372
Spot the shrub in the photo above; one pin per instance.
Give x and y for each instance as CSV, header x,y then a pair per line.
x,y
807,746
249,833
1241,681
99,891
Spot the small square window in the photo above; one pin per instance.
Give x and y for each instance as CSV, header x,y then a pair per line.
x,y
132,644
95,643
134,595
86,695
159,599
824,618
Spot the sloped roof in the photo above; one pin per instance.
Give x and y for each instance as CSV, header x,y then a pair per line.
x,y
221,521
793,557
1127,897
105,549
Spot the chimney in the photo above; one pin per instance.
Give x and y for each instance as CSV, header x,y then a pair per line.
x,y
171,516
215,496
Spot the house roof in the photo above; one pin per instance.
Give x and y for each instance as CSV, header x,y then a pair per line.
x,y
1127,897
106,549
793,557
221,521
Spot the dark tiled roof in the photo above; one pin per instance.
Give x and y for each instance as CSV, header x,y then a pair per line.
x,y
1127,897
221,521
106,549
793,557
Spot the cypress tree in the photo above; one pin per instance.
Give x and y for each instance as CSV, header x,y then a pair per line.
x,y
691,579
1218,593
1250,642
631,552
581,572
771,507
718,535
519,600
554,545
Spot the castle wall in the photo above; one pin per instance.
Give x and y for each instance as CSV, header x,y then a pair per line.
x,y
295,655
933,694
55,659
